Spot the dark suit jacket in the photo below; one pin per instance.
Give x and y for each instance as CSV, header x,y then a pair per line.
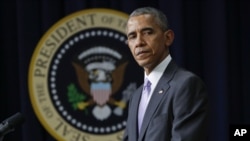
x,y
177,111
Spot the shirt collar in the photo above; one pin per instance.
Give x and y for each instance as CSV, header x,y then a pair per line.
x,y
157,72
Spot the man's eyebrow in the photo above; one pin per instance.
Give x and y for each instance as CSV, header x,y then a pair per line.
x,y
141,30
147,28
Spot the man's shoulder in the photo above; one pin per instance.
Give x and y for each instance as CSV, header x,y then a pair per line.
x,y
181,74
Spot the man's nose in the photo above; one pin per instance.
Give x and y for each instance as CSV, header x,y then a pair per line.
x,y
140,41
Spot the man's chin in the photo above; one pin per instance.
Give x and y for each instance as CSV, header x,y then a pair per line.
x,y
143,64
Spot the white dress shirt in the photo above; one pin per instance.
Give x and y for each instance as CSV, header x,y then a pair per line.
x,y
156,74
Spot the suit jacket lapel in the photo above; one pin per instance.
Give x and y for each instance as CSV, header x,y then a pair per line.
x,y
160,90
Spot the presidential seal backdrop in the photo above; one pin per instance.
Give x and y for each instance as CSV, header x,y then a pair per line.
x,y
81,76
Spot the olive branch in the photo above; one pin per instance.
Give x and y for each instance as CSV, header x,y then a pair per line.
x,y
75,97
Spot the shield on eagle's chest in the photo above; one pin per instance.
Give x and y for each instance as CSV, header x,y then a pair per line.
x,y
101,92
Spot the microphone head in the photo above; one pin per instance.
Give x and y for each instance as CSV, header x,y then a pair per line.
x,y
15,120
10,123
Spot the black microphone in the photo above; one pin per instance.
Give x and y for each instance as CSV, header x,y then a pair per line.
x,y
9,124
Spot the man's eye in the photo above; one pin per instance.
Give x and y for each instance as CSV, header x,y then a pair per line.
x,y
131,37
148,32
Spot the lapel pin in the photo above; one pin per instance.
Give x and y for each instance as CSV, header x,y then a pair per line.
x,y
160,92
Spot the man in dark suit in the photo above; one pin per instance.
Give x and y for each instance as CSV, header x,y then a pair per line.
x,y
173,105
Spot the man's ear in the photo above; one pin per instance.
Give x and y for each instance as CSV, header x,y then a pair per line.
x,y
169,34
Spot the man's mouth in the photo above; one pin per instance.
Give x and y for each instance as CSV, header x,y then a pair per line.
x,y
139,51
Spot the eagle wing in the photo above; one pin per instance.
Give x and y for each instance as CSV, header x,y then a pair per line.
x,y
117,77
82,76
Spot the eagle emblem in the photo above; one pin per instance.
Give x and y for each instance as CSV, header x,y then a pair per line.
x,y
100,80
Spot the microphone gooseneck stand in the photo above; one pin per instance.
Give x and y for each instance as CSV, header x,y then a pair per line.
x,y
9,124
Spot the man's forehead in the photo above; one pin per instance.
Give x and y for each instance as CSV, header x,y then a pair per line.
x,y
140,21
140,24
141,17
